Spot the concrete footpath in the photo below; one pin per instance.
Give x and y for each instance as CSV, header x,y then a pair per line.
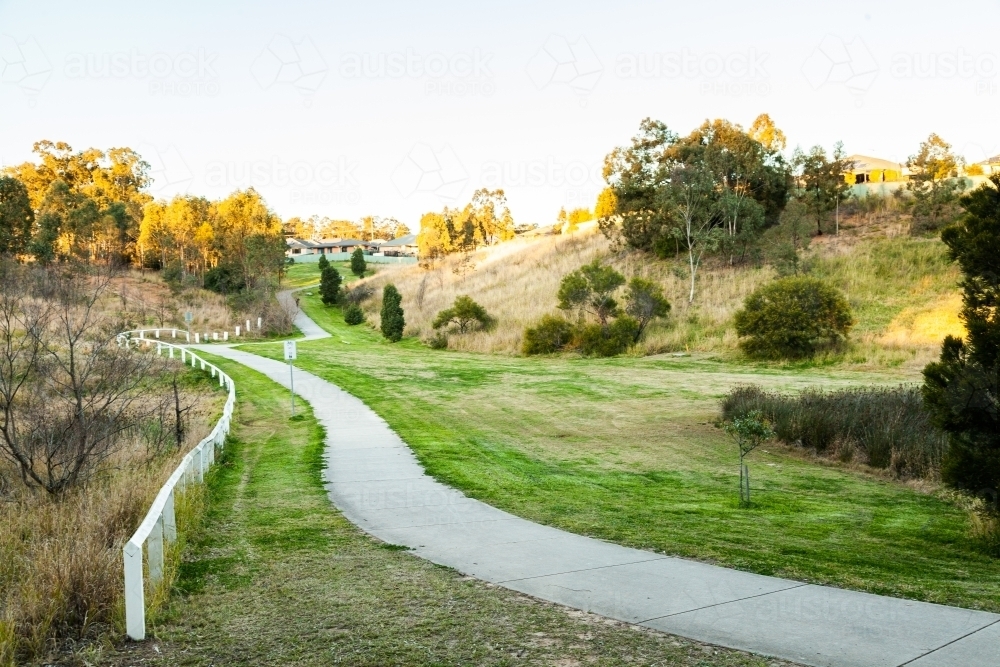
x,y
374,479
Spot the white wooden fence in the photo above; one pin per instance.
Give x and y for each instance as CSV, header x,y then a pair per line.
x,y
193,336
160,525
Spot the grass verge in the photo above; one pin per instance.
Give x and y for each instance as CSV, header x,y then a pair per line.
x,y
277,576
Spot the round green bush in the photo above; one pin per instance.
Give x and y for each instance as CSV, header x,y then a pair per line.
x,y
551,335
595,340
438,341
353,314
792,318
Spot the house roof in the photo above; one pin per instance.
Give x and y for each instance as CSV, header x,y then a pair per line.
x,y
301,243
869,163
991,160
409,239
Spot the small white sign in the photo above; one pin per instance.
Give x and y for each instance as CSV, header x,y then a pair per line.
x,y
289,350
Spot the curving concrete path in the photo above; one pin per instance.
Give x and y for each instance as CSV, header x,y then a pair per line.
x,y
374,479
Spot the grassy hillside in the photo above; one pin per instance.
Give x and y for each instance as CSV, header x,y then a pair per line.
x,y
902,290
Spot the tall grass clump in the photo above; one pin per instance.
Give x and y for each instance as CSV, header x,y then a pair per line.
x,y
883,427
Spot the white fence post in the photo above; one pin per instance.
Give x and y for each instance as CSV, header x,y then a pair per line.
x,y
260,320
169,519
171,349
154,551
237,331
196,339
188,336
183,361
248,325
135,601
225,335
174,333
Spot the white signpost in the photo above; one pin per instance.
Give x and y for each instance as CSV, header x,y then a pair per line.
x,y
290,354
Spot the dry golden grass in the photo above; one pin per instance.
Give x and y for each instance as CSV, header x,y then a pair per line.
x,y
515,281
903,292
61,558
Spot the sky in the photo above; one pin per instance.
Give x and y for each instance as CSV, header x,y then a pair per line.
x,y
398,108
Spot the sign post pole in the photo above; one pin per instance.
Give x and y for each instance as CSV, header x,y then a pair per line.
x,y
290,354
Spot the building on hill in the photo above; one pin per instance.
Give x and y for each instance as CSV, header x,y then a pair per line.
x,y
869,169
990,165
299,247
404,246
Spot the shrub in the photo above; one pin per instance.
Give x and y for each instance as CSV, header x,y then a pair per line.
x,y
438,341
358,264
221,280
466,313
329,285
353,314
792,317
885,427
357,294
393,322
550,335
322,263
595,340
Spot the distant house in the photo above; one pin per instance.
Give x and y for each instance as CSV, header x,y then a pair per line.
x,y
404,246
869,169
990,165
297,247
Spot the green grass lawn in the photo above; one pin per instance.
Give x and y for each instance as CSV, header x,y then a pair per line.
x,y
626,450
303,275
277,576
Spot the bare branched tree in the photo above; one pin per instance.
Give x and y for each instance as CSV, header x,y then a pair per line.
x,y
70,394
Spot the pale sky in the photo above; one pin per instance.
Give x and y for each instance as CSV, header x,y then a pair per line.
x,y
398,108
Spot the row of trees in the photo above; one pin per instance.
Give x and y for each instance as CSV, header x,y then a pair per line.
x,y
718,189
94,206
484,221
84,204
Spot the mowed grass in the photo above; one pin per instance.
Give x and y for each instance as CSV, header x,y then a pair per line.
x,y
305,274
278,577
626,450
